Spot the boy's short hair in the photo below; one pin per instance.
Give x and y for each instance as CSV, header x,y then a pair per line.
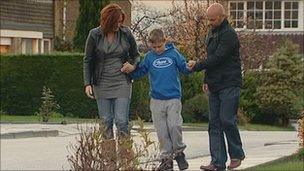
x,y
157,36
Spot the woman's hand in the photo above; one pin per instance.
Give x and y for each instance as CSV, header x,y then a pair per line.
x,y
205,88
127,68
89,91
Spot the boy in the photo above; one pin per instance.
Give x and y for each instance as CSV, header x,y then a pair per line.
x,y
163,64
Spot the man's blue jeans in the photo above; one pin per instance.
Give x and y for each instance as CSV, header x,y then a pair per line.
x,y
114,109
223,119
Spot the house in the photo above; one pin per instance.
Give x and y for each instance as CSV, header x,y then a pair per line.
x,y
31,26
26,26
272,20
278,16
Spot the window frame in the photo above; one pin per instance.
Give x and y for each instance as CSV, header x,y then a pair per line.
x,y
282,20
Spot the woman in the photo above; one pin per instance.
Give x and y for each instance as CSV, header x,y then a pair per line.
x,y
108,47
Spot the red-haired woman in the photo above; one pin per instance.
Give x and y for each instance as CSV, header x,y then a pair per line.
x,y
107,48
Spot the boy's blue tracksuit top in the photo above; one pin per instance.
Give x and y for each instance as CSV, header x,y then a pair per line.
x,y
163,71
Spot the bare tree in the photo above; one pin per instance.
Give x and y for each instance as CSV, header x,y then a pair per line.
x,y
144,19
188,27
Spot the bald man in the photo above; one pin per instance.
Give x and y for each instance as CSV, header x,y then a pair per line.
x,y
222,82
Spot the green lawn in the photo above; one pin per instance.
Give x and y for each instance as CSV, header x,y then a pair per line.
x,y
247,127
259,127
291,163
201,126
35,119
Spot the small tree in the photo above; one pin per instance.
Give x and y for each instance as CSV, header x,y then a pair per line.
x,y
88,18
282,84
93,151
48,106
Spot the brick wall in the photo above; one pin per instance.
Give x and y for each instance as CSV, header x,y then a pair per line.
x,y
257,50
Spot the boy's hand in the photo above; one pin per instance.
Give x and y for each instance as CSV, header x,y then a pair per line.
x,y
191,64
127,68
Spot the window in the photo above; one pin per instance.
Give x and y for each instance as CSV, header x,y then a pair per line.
x,y
265,15
46,46
273,15
237,14
291,14
39,46
27,46
255,15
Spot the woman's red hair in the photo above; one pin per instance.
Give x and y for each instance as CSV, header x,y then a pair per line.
x,y
110,16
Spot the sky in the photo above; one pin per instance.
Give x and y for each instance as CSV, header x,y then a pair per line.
x,y
158,4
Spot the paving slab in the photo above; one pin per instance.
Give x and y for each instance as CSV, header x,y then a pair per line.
x,y
50,152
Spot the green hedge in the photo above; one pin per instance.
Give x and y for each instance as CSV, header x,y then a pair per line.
x,y
196,109
23,78
140,103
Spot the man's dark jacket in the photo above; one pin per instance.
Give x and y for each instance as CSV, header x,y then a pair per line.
x,y
223,64
93,60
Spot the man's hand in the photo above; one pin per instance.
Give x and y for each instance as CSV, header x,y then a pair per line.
x,y
205,88
127,68
89,91
191,64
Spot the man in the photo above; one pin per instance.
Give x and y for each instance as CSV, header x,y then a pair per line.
x,y
222,82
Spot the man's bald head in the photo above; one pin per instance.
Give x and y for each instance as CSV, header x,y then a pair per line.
x,y
215,14
216,9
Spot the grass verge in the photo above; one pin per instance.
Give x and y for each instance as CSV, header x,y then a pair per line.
x,y
247,127
35,119
294,162
199,126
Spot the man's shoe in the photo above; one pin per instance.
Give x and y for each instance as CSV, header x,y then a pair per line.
x,y
234,163
211,167
181,161
165,165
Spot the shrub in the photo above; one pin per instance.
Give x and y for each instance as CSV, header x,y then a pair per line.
x,y
93,151
248,102
191,85
242,117
48,105
280,85
196,109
